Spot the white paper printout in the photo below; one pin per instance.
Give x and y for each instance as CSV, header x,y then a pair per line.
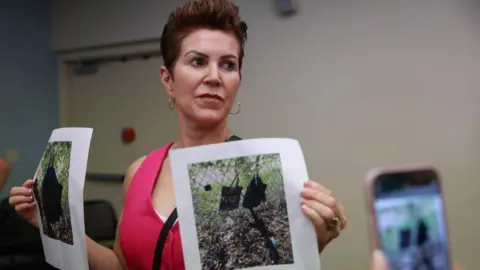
x,y
239,206
58,190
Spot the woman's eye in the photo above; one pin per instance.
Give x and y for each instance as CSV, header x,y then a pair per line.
x,y
228,66
197,62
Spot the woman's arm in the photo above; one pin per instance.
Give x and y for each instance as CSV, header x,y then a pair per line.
x,y
101,257
5,170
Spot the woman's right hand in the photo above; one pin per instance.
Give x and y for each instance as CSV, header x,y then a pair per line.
x,y
21,198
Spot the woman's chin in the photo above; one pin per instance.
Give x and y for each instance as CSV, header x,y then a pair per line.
x,y
210,117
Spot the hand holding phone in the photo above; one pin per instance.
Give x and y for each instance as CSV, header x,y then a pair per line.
x,y
408,221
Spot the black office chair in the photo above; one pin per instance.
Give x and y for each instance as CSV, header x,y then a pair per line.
x,y
20,243
100,221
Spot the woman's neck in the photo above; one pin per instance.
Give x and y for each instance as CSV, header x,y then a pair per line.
x,y
193,135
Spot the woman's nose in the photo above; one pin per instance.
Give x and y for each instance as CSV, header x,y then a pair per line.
x,y
213,76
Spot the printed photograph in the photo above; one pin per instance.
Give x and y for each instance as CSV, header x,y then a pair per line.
x,y
412,233
51,191
241,212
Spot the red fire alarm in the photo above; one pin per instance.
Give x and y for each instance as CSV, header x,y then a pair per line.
x,y
128,135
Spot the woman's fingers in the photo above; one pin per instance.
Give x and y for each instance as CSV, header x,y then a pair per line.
x,y
316,219
319,196
318,187
24,206
322,210
15,200
28,183
334,208
22,195
25,189
20,191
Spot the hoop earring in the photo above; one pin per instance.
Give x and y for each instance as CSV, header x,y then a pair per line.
x,y
238,110
171,104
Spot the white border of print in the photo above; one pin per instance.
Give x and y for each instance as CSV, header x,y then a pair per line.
x,y
57,253
304,244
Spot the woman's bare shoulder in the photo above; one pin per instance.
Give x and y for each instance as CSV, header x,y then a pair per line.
x,y
131,171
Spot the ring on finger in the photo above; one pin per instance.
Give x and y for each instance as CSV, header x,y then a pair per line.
x,y
333,223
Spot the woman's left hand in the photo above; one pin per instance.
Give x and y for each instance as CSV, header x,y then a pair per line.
x,y
326,214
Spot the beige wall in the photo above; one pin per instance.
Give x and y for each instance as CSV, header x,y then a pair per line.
x,y
358,83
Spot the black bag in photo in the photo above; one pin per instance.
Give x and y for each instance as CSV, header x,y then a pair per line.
x,y
52,193
255,193
231,195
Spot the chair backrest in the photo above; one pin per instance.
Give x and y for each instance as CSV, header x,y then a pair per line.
x,y
17,235
100,220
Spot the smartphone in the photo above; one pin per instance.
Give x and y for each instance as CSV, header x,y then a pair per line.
x,y
407,217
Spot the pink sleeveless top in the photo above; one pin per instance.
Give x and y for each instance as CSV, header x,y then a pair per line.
x,y
141,225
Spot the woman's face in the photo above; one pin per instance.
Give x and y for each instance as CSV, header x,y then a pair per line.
x,y
206,76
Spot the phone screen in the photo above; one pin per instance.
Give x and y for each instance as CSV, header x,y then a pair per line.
x,y
410,221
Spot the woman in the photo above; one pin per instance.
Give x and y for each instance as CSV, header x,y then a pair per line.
x,y
202,48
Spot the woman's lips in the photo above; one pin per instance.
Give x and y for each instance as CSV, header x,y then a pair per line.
x,y
211,97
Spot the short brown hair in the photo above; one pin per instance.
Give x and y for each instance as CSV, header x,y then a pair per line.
x,y
196,14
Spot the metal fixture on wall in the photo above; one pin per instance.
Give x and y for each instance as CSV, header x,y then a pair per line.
x,y
91,66
85,67
286,7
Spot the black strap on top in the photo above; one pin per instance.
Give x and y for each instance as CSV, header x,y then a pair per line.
x,y
157,258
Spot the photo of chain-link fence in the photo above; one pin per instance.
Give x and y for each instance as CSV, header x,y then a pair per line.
x,y
51,191
241,212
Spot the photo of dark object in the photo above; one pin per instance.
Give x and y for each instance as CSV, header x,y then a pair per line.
x,y
255,193
52,195
230,198
422,235
414,239
405,236
240,212
422,241
51,191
